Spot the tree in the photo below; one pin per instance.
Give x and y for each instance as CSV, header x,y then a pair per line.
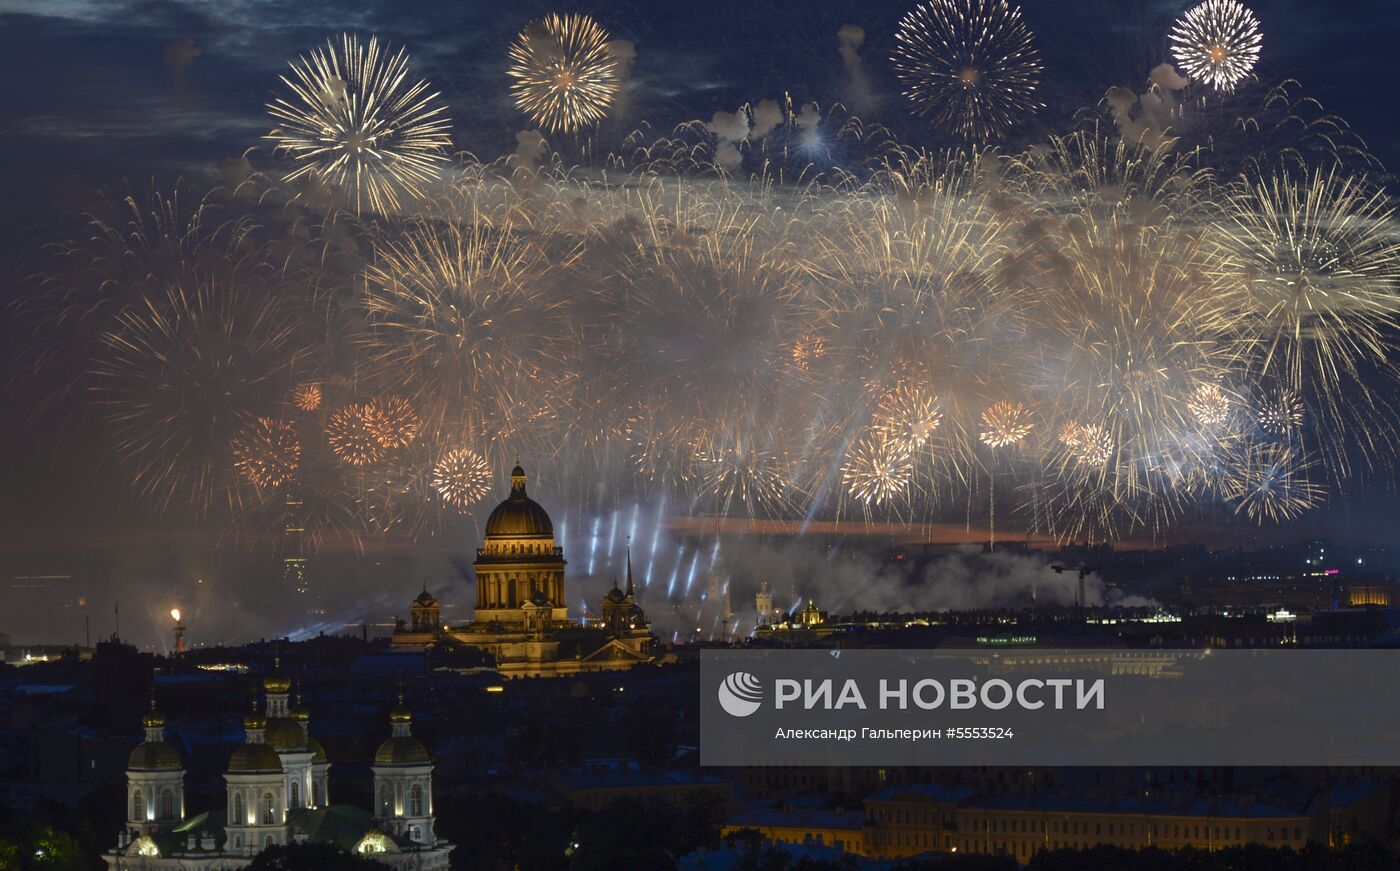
x,y
312,857
48,849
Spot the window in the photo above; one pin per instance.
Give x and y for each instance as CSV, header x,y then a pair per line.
x,y
239,818
386,801
138,806
415,801
296,795
269,806
167,804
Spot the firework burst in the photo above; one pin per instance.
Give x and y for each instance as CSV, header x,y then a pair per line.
x,y
908,416
462,478
1209,405
1089,444
970,65
351,433
1280,412
463,321
393,421
1269,483
877,472
563,73
266,452
179,375
1311,269
1217,42
737,467
1311,263
1005,423
307,396
353,121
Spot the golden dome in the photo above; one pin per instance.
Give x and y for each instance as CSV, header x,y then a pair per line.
x,y
425,598
318,753
400,714
150,755
299,712
284,734
276,683
519,516
254,721
401,751
153,720
254,757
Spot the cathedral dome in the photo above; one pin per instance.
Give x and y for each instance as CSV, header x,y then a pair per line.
x,y
284,734
318,753
398,750
254,757
276,683
519,516
153,755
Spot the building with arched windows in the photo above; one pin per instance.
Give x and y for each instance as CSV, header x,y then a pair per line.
x,y
277,793
521,617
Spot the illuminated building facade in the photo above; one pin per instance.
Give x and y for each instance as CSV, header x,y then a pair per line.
x,y
902,821
521,616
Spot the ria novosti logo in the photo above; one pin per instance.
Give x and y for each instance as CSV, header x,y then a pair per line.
x,y
740,694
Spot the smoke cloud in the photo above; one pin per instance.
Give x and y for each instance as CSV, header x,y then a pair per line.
x,y
856,89
1148,118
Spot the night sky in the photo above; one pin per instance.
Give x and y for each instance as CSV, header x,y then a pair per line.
x,y
105,97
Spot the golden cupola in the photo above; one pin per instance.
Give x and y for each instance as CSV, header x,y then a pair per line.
x,y
519,516
401,748
154,753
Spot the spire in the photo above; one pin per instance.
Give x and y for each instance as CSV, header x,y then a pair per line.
x,y
154,721
254,724
400,716
630,589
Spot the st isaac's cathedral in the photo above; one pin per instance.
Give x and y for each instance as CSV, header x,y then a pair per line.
x,y
277,792
521,616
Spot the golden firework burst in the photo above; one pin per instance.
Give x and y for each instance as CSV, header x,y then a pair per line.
x,y
564,74
307,396
1005,423
266,452
462,478
393,421
351,435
